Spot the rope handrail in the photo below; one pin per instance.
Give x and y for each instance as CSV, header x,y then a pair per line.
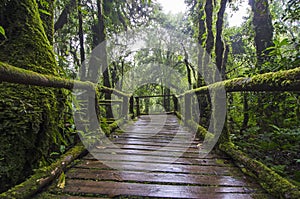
x,y
12,74
154,96
286,80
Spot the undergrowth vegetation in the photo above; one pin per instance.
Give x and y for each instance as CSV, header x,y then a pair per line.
x,y
278,149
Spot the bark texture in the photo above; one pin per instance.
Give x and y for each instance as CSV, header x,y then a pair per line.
x,y
30,117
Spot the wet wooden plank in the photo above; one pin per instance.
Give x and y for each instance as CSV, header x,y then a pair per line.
x,y
157,159
152,190
63,196
161,167
156,136
160,153
177,136
140,165
157,177
167,148
123,138
152,143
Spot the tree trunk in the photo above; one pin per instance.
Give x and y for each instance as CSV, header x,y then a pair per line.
x,y
201,40
47,18
263,28
63,18
209,19
30,117
99,38
205,106
200,80
219,50
81,42
245,111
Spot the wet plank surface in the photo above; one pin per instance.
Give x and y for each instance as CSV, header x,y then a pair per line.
x,y
155,157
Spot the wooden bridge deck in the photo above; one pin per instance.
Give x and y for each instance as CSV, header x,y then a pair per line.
x,y
155,157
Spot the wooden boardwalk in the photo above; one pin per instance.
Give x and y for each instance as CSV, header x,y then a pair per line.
x,y
155,158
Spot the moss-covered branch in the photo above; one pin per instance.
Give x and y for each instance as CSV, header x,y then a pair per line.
x,y
269,179
44,176
288,80
13,74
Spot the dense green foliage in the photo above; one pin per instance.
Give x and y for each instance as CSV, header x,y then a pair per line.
x,y
265,125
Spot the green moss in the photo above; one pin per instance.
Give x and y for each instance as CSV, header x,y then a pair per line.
x,y
31,117
115,125
274,81
49,173
270,180
46,12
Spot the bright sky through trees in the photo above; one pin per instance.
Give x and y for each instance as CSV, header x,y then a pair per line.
x,y
173,6
236,18
176,6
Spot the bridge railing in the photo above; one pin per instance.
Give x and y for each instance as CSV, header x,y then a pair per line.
x,y
136,108
13,74
288,80
281,81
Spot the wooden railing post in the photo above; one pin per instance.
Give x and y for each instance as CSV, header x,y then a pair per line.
x,y
187,107
131,106
125,107
175,101
138,112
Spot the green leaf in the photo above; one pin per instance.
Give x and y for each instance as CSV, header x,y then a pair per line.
x,y
2,31
61,181
54,154
275,127
284,42
44,12
62,148
180,58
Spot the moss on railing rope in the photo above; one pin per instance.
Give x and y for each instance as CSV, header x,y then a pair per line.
x,y
269,179
288,80
11,74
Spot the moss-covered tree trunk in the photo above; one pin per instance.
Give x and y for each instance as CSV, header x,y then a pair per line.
x,y
263,28
46,8
200,80
220,45
205,101
101,39
30,116
81,40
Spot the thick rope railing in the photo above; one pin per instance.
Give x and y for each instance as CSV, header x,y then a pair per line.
x,y
11,74
287,80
